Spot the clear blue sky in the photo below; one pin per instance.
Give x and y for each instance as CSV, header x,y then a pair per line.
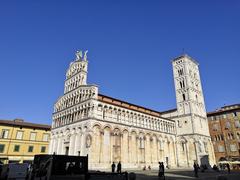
x,y
131,44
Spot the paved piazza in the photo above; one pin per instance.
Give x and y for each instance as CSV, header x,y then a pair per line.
x,y
181,174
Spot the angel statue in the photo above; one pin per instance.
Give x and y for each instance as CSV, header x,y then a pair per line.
x,y
79,55
85,55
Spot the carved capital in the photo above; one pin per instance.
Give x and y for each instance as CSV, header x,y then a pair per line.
x,y
112,134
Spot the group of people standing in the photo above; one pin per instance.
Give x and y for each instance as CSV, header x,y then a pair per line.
x,y
161,171
119,167
204,167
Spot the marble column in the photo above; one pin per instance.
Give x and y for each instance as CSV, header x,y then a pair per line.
x,y
129,149
147,153
55,145
196,153
169,153
72,144
137,149
121,147
106,146
50,146
158,149
176,154
111,146
77,148
124,145
163,150
187,154
83,144
101,147
151,150
59,147
133,150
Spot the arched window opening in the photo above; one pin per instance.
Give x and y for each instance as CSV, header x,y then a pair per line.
x,y
229,136
237,124
104,114
222,137
141,143
184,98
238,135
228,125
183,148
181,71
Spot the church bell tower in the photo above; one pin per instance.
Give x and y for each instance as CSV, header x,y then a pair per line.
x,y
189,97
191,120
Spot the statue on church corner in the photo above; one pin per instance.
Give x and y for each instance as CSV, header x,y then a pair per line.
x,y
79,55
85,55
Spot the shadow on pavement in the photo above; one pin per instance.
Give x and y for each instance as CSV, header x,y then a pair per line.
x,y
181,175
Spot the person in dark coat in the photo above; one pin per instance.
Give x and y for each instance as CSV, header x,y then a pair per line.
x,y
195,167
161,169
119,167
228,168
70,168
113,167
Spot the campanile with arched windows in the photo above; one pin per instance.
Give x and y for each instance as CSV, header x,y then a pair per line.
x,y
192,125
189,96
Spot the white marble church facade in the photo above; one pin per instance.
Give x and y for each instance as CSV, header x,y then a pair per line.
x,y
111,130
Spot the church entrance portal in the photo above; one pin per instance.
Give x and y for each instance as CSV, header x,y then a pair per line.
x,y
66,150
204,160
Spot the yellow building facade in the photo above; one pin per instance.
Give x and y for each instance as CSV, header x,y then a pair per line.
x,y
20,141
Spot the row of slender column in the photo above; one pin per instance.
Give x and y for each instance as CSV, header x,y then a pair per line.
x,y
70,101
83,112
73,141
136,119
129,152
106,146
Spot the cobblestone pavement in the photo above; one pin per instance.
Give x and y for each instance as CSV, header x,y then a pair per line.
x,y
182,174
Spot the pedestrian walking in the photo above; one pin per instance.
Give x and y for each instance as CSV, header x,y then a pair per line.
x,y
113,167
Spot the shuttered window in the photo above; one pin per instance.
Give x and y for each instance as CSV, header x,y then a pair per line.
x,y
19,135
33,136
